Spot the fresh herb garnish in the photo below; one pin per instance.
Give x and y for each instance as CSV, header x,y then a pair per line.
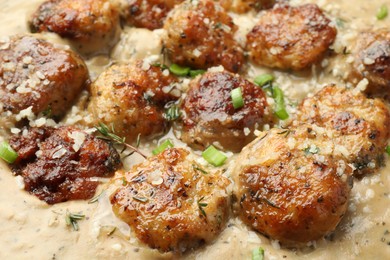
x,y
197,168
109,135
172,112
201,206
258,254
387,149
164,145
72,218
213,156
382,12
96,198
7,153
238,100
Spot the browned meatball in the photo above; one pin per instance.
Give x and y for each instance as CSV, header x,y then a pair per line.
x,y
59,164
131,98
209,116
92,24
289,188
372,61
242,6
290,37
148,14
200,35
35,73
171,203
359,126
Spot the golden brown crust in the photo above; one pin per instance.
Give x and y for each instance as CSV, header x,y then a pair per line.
x,y
148,14
288,193
35,73
359,126
200,35
57,165
289,37
161,198
209,115
88,22
131,98
372,61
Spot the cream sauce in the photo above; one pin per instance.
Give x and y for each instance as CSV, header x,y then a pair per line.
x,y
30,228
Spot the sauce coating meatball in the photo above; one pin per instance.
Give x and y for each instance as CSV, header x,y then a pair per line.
x,y
92,24
209,116
359,126
242,6
170,203
131,99
37,74
148,14
58,165
289,188
200,35
372,61
289,37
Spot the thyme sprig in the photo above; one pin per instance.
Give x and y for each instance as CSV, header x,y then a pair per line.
x,y
72,218
201,206
109,135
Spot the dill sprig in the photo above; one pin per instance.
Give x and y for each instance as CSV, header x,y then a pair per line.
x,y
109,135
72,218
201,206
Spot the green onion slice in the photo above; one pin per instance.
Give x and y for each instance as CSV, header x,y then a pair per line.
x,y
258,254
165,145
213,156
194,73
7,153
264,79
280,107
388,149
238,100
178,70
382,12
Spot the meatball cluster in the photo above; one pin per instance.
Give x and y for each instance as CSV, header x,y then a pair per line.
x,y
200,34
58,165
289,37
171,203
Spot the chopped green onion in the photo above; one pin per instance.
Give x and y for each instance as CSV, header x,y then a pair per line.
x,y
194,73
382,12
172,113
7,153
280,107
165,145
258,254
237,98
178,70
264,79
388,149
213,156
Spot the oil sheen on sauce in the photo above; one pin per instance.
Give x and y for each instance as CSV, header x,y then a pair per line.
x,y
30,228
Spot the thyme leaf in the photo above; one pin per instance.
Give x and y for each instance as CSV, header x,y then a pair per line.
x,y
72,218
201,206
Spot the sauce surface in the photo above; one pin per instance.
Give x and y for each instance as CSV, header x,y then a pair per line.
x,y
31,228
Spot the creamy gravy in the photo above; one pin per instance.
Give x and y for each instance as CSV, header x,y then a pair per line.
x,y
32,229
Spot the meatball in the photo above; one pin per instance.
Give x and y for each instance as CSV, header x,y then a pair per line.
x,y
58,165
210,118
37,74
242,6
200,35
131,98
359,126
93,25
372,61
289,188
171,203
289,37
148,14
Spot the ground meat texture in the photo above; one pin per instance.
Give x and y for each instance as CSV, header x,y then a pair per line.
x,y
199,34
171,203
209,116
359,126
93,25
131,98
288,192
35,73
290,37
242,6
372,61
62,164
148,14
